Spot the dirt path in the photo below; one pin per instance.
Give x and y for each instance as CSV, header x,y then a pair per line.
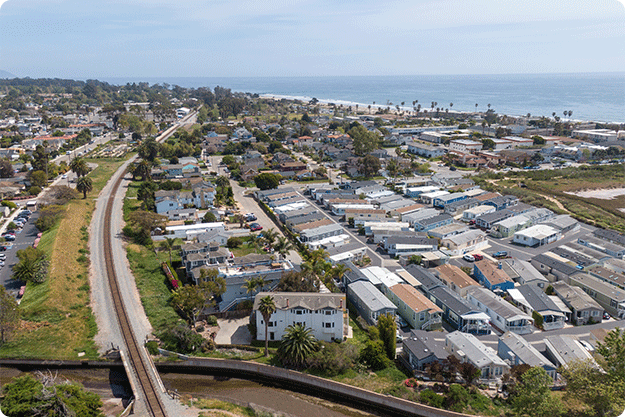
x,y
556,202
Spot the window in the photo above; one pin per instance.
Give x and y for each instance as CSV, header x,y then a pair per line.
x,y
271,324
272,336
329,312
328,325
595,313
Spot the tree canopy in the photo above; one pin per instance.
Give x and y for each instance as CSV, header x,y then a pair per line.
x,y
364,141
267,181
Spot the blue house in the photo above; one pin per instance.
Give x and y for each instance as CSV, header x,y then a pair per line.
x,y
491,276
444,200
425,225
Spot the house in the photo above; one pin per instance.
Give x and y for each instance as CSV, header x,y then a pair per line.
x,y
465,145
338,209
415,192
583,308
598,135
502,202
239,270
309,218
613,249
487,221
361,215
353,251
422,348
564,349
311,225
537,235
189,231
285,216
182,214
608,275
215,255
610,235
563,223
459,207
428,198
554,269
411,218
517,351
372,228
522,272
448,230
418,311
474,212
454,278
610,297
427,224
380,234
468,241
491,275
369,302
443,200
325,314
469,348
427,151
503,315
318,233
402,245
530,299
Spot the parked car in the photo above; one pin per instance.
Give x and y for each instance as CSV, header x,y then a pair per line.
x,y
478,257
468,257
9,238
500,254
250,217
606,316
255,227
6,246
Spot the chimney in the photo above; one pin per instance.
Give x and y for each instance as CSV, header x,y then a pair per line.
x,y
287,302
341,304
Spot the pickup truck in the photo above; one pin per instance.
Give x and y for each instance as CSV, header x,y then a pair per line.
x,y
500,254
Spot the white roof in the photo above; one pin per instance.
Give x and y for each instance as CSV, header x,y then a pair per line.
x,y
539,231
481,209
379,275
518,297
199,226
435,194
290,207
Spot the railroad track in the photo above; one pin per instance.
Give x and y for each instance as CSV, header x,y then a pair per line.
x,y
137,361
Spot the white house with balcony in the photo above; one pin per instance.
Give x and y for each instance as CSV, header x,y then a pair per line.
x,y
503,315
325,314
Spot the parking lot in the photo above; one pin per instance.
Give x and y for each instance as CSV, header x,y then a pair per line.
x,y
23,239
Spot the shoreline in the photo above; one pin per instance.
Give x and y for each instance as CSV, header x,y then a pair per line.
x,y
393,109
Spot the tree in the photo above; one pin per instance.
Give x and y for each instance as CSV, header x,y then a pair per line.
x,y
369,166
234,242
283,246
190,301
586,382
538,140
267,181
79,167
142,170
388,334
266,308
145,194
296,345
210,217
25,396
538,319
148,149
533,397
6,169
469,372
373,355
293,281
393,168
168,245
84,185
38,179
9,315
32,265
338,271
364,141
613,351
488,144
269,236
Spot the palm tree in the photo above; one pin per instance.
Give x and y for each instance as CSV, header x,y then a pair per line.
x,y
250,285
267,307
451,105
283,246
296,345
168,245
79,167
475,106
269,236
339,271
84,185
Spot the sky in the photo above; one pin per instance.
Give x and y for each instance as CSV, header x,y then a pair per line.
x,y
245,38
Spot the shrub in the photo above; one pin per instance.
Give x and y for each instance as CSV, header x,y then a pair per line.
x,y
9,204
429,397
180,338
48,216
374,356
334,358
200,328
34,190
211,320
234,242
152,347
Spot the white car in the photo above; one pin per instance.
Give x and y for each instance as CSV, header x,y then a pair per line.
x,y
64,176
469,258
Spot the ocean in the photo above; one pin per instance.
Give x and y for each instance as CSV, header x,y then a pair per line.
x,y
596,97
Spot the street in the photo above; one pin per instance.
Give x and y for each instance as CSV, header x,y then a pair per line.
x,y
23,239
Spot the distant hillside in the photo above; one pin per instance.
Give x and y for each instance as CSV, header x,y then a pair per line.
x,y
4,74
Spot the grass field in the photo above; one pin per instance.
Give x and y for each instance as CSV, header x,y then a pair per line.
x,y
57,320
542,187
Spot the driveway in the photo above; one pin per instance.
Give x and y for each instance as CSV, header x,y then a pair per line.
x,y
233,332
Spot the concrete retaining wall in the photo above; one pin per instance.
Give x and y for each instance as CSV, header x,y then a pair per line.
x,y
387,405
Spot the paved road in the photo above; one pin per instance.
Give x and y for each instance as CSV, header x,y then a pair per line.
x,y
23,239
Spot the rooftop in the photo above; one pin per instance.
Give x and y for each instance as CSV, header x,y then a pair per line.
x,y
414,299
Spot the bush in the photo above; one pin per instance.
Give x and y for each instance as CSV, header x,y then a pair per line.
x,y
9,204
152,347
180,338
34,190
48,216
234,242
374,356
334,358
200,329
429,397
211,320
